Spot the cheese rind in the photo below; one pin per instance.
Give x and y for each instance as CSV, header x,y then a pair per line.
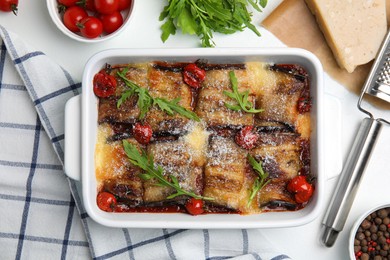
x,y
353,29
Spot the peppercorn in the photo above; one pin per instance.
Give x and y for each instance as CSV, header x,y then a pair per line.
x,y
365,256
374,228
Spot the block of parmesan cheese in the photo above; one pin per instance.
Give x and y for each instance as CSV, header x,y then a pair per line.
x,y
353,29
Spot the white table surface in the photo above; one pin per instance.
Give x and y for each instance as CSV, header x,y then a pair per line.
x,y
34,25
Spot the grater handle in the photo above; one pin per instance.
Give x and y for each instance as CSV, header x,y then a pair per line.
x,y
349,179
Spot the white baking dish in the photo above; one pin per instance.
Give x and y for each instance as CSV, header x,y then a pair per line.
x,y
79,164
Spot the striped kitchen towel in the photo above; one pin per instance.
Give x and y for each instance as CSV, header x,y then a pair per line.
x,y
42,216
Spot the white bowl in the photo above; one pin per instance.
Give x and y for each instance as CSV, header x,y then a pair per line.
x,y
89,113
52,6
356,225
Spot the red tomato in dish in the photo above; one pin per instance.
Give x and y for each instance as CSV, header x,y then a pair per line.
x,y
104,85
106,201
304,105
301,187
194,206
67,3
72,16
106,6
9,6
124,4
246,137
142,133
111,22
90,27
193,75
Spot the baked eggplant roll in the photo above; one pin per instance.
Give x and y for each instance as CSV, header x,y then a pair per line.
x,y
168,84
281,156
128,112
280,93
211,104
113,168
227,176
177,161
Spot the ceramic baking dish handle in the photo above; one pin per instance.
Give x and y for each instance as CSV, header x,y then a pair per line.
x,y
72,155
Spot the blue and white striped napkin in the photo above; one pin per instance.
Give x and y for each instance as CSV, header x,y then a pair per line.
x,y
41,213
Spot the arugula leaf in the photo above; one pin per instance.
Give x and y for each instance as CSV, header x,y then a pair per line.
x,y
241,97
203,17
261,179
168,28
146,163
172,106
146,101
186,22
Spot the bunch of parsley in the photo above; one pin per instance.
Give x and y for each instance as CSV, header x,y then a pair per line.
x,y
203,17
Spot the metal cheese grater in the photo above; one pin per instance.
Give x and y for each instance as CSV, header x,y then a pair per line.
x,y
377,85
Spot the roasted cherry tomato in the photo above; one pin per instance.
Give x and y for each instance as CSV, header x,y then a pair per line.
x,y
106,201
124,4
106,6
111,22
246,137
193,75
301,188
304,104
104,85
67,3
142,133
72,16
90,27
194,206
9,6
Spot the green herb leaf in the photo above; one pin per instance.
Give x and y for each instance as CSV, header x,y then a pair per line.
x,y
146,101
168,28
172,106
241,97
186,22
146,163
261,179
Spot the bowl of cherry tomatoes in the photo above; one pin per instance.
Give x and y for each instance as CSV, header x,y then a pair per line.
x,y
91,21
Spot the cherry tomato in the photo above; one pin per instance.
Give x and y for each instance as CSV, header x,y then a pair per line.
x,y
104,85
67,3
9,6
90,5
193,75
106,201
142,133
72,16
106,6
90,27
246,137
304,104
124,4
111,22
194,206
302,189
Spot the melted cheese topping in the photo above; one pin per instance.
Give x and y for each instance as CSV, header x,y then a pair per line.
x,y
197,140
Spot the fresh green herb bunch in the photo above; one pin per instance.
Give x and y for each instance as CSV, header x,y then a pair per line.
x,y
203,17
